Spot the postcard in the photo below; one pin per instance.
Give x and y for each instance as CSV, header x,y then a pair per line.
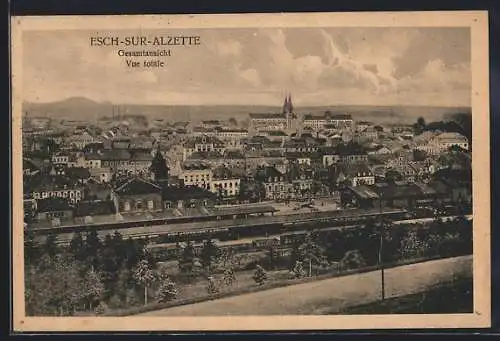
x,y
243,172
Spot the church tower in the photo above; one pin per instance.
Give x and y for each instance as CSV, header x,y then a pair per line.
x,y
159,169
288,111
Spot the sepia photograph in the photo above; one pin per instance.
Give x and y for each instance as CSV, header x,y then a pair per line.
x,y
251,171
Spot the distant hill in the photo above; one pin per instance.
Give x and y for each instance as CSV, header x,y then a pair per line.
x,y
81,108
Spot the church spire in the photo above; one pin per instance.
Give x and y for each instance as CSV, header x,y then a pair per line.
x,y
290,105
285,105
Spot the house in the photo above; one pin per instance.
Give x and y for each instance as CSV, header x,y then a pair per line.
x,y
98,191
346,152
78,175
355,174
29,167
442,142
234,159
341,121
211,124
85,212
224,182
187,197
53,209
93,160
196,174
56,186
368,134
60,158
447,140
79,141
314,122
362,125
137,195
231,134
275,183
380,150
202,143
101,175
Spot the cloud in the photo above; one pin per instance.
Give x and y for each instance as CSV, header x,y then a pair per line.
x,y
436,76
320,66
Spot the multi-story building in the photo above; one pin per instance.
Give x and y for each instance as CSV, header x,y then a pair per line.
x,y
54,188
198,175
355,175
60,158
333,121
344,153
443,142
224,182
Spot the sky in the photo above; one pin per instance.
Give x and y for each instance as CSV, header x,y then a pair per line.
x,y
319,66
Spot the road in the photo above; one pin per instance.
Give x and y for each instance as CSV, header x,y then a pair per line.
x,y
318,297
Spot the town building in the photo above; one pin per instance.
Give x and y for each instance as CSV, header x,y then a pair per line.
x,y
137,195
224,182
198,175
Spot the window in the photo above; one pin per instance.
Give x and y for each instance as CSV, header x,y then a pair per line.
x,y
126,206
150,204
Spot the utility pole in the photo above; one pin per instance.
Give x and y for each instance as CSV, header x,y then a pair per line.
x,y
380,250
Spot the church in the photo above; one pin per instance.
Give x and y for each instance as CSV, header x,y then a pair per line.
x,y
284,121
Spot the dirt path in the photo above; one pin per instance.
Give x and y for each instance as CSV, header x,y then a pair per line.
x,y
317,297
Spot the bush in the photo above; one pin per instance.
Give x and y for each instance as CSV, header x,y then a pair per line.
x,y
102,308
298,270
352,260
167,291
212,288
260,276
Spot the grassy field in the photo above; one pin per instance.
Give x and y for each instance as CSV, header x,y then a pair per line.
x,y
453,297
330,296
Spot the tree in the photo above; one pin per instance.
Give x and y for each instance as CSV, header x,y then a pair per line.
x,y
273,256
94,287
30,246
311,250
144,276
298,270
421,122
167,291
76,246
50,247
187,258
212,288
229,276
55,286
412,245
295,254
209,252
260,275
92,248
